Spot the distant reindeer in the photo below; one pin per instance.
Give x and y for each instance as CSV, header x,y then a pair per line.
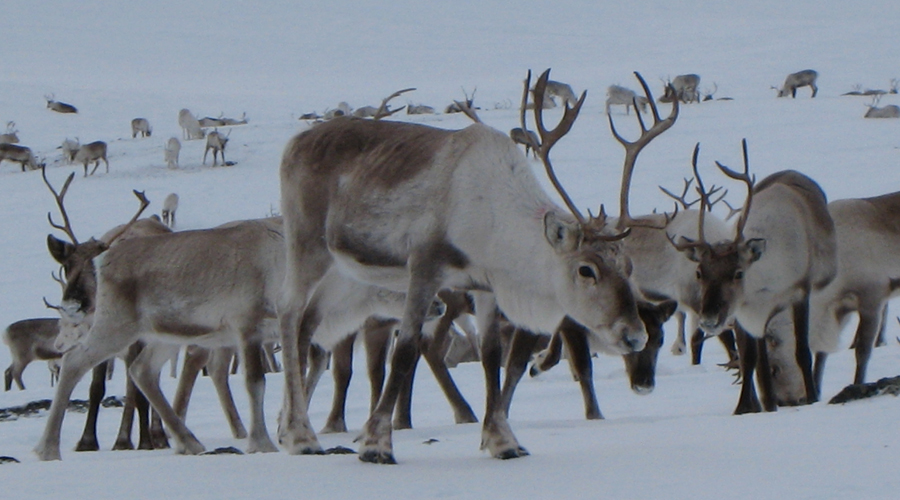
x,y
419,109
93,152
190,127
173,148
59,107
28,340
805,78
457,107
558,89
11,134
170,205
140,126
622,96
216,142
19,154
685,88
69,149
889,111
365,112
526,138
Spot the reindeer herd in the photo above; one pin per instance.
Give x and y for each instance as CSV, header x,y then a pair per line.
x,y
401,233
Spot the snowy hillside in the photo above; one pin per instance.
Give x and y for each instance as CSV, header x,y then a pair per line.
x,y
277,60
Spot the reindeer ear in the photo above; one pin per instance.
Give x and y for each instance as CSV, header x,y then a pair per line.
x,y
695,253
667,308
756,247
59,249
563,236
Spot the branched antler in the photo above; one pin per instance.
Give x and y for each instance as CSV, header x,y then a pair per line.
x,y
144,204
632,149
682,198
747,179
383,111
66,227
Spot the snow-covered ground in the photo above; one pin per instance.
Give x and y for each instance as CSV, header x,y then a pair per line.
x,y
277,60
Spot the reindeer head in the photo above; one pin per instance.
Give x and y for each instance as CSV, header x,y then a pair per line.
x,y
721,265
78,275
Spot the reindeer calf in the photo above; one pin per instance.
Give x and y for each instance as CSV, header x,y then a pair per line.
x,y
805,78
93,152
140,126
684,88
527,138
19,154
170,205
216,142
28,340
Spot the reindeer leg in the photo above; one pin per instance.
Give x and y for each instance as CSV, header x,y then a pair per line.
x,y
802,353
697,339
377,338
747,348
146,370
866,333
195,358
255,374
318,361
522,346
679,346
403,406
434,356
123,438
424,283
88,441
496,435
219,365
764,376
342,371
157,433
576,342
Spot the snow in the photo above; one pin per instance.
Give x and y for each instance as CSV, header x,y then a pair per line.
x,y
277,60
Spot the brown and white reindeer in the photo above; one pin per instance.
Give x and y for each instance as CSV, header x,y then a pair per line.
x,y
684,88
19,154
141,126
868,276
164,289
28,340
92,152
418,209
216,142
784,249
805,78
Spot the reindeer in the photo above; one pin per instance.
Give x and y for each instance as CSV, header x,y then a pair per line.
x,y
173,148
867,277
805,78
11,135
561,90
190,126
216,142
170,205
140,126
59,107
783,250
92,152
526,138
19,154
419,109
685,88
403,208
889,111
621,96
69,149
29,339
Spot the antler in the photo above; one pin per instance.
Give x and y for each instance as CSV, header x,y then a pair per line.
x,y
747,179
382,110
51,306
144,204
681,199
632,149
67,226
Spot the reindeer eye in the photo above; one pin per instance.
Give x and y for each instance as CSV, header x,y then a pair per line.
x,y
739,275
586,272
699,276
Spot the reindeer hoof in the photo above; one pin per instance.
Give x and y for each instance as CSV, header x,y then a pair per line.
x,y
87,445
512,453
376,457
122,445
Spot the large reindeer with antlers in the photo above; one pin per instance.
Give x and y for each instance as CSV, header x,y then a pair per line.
x,y
783,249
418,209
